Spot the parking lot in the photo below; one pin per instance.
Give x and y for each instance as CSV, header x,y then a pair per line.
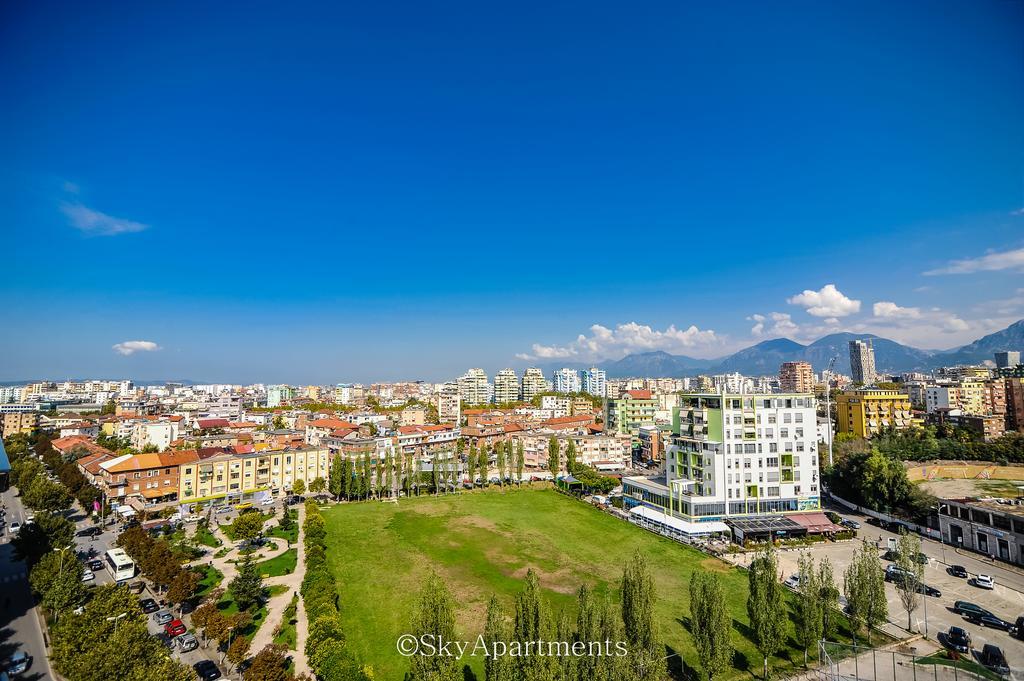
x,y
935,614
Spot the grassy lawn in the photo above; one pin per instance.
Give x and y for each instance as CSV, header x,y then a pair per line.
x,y
286,630
942,658
211,579
291,535
276,590
228,606
280,565
483,544
205,537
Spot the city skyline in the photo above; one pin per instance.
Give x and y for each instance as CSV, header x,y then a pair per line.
x,y
332,206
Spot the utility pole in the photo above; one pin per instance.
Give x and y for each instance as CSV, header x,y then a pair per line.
x,y
828,409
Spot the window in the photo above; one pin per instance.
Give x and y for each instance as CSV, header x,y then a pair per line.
x,y
787,418
799,417
773,447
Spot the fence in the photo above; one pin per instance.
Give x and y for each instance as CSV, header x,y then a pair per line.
x,y
920,529
846,662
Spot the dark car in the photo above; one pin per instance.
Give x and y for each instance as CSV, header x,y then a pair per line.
x,y
957,571
148,605
206,670
91,532
95,565
969,609
957,639
923,588
991,621
992,657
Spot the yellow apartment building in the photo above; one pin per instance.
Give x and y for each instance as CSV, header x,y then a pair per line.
x,y
869,411
241,475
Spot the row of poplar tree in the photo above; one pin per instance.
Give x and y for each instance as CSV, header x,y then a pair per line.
x,y
815,614
393,473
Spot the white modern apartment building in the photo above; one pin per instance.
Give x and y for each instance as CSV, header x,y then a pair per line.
x,y
157,433
474,388
534,383
735,455
449,406
594,382
567,381
506,386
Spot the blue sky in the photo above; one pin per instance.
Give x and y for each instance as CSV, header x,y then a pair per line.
x,y
359,191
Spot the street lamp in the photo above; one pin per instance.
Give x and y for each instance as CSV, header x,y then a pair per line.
x,y
117,618
60,563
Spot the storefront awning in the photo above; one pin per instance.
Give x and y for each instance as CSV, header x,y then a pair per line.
x,y
678,524
816,523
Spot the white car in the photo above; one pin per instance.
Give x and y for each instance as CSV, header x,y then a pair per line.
x,y
15,527
193,518
269,501
88,576
793,581
174,518
30,518
985,581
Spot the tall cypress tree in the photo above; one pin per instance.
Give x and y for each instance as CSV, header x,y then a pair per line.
x,y
530,624
646,656
434,620
554,463
484,465
471,466
829,600
520,461
499,452
570,456
808,605
710,623
496,668
337,482
766,605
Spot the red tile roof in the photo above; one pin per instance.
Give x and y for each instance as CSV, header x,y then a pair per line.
x,y
639,394
332,424
212,423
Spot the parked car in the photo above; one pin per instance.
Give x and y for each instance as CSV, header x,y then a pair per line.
x,y
15,527
187,642
223,509
88,575
894,572
244,506
923,588
174,628
148,605
992,657
957,571
991,621
95,565
137,587
91,532
18,663
851,524
793,581
193,518
985,582
206,670
163,617
968,608
268,501
957,639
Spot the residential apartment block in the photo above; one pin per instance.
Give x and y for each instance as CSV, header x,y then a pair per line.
x,y
733,456
594,382
566,381
869,411
506,387
19,422
534,383
233,475
625,415
862,361
796,377
474,388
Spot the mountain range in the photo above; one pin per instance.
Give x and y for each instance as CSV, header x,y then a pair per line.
x,y
765,357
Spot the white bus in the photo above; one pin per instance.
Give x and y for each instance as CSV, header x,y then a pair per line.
x,y
119,565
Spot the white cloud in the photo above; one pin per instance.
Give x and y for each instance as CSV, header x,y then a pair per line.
x,y
890,310
605,343
828,302
94,222
131,347
992,262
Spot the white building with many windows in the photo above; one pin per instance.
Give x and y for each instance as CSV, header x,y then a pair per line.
x,y
594,382
736,455
506,386
534,383
567,381
474,388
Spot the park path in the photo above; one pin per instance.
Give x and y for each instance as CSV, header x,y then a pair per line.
x,y
225,565
277,605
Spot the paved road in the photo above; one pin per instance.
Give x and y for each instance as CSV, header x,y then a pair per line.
x,y
1006,600
19,623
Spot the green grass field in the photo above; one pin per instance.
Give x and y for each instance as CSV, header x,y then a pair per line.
x,y
483,543
280,565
